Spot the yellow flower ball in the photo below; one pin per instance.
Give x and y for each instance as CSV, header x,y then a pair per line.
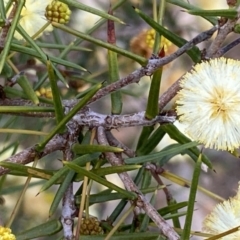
x,y
58,12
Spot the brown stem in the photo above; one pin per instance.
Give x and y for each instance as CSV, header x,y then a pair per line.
x,y
212,51
6,27
28,155
141,201
68,206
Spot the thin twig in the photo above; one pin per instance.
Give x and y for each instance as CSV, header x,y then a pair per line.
x,y
152,168
228,47
141,202
114,142
68,206
167,96
7,25
28,155
93,119
224,30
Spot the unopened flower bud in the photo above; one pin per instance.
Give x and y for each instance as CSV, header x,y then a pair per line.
x,y
58,12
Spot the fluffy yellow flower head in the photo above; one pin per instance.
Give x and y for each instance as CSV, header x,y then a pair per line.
x,y
225,216
142,43
44,92
32,17
209,103
6,234
150,38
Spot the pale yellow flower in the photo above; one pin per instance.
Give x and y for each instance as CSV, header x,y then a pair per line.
x,y
6,234
209,103
225,216
32,17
